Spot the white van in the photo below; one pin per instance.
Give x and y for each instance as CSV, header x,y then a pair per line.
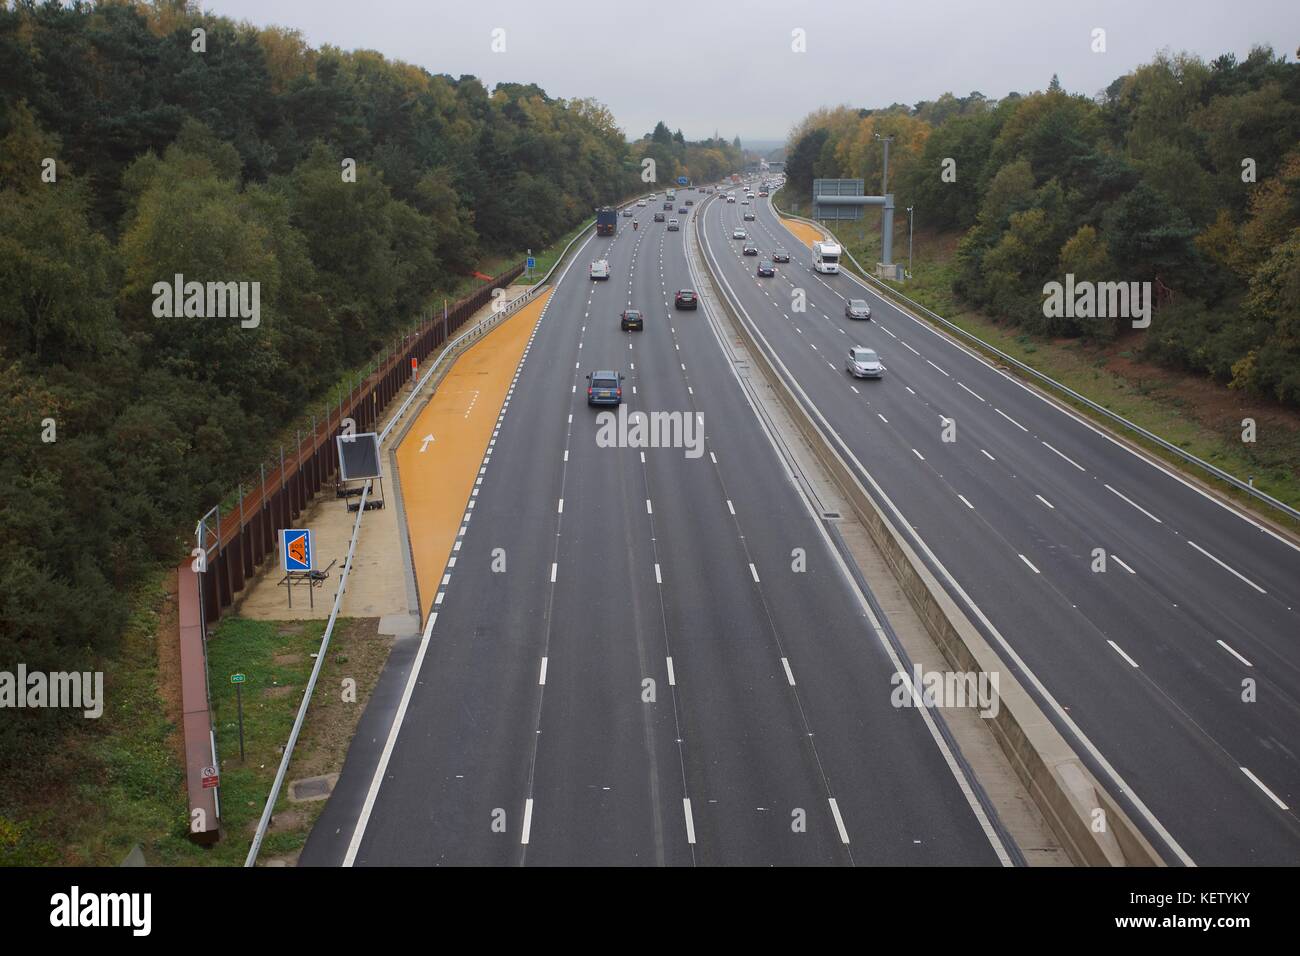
x,y
826,257
599,269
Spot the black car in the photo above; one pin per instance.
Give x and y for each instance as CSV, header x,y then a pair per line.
x,y
659,217
631,319
766,269
605,388
668,207
780,255
685,299
750,249
690,202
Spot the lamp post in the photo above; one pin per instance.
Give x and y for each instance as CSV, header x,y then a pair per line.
x,y
884,174
911,215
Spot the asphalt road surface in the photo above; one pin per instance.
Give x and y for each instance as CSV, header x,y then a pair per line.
x,y
1144,666
651,680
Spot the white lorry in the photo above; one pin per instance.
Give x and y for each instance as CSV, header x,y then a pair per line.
x,y
826,256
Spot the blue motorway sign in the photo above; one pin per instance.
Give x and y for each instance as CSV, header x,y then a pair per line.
x,y
295,549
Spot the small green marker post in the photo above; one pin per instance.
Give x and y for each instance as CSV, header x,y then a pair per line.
x,y
238,681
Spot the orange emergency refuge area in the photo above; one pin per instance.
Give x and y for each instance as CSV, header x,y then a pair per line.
x,y
437,482
805,232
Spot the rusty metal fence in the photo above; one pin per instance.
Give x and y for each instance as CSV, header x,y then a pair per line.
x,y
236,541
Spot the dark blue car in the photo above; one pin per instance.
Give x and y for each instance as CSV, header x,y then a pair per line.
x,y
605,388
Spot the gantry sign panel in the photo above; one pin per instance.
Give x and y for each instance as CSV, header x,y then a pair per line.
x,y
836,187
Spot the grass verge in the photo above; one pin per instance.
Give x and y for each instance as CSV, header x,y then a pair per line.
x,y
112,783
551,254
107,784
277,658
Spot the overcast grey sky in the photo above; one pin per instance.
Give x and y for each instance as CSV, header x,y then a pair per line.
x,y
706,64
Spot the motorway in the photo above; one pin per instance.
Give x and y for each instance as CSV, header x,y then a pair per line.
x,y
627,664
1176,670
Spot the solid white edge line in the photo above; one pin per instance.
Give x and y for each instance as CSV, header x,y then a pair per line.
x,y
381,768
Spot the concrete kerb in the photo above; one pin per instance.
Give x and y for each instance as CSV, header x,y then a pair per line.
x,y
1066,792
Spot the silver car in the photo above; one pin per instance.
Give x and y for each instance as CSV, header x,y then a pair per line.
x,y
857,309
864,363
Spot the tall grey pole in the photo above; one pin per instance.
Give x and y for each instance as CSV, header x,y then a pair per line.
x,y
887,218
884,175
911,222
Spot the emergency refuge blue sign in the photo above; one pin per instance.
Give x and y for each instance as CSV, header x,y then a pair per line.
x,y
295,549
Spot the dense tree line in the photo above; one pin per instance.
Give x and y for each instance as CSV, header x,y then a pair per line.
x,y
705,161
224,164
1184,174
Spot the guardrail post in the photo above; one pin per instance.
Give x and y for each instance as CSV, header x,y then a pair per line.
x,y
263,541
245,541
